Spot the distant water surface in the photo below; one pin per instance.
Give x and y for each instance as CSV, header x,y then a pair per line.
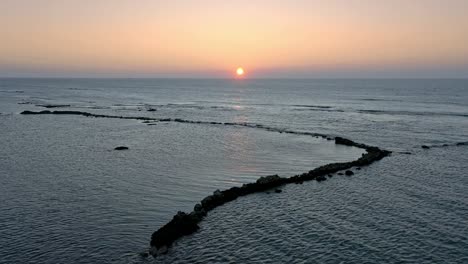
x,y
68,197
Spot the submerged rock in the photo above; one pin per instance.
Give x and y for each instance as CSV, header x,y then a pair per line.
x,y
321,178
144,254
151,110
27,112
278,190
54,105
349,173
121,148
154,251
425,147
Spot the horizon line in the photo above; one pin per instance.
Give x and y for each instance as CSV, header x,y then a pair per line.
x,y
239,79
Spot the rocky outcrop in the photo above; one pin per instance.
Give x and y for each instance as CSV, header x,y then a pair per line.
x,y
182,224
54,105
457,144
121,148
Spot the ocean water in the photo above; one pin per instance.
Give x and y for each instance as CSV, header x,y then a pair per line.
x,y
68,197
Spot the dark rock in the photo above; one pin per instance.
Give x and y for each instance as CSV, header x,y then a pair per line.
x,y
121,148
278,190
163,250
198,207
54,106
217,193
151,110
358,168
158,251
232,194
343,141
207,201
321,178
340,173
181,225
349,173
197,216
425,147
462,143
36,113
268,179
199,211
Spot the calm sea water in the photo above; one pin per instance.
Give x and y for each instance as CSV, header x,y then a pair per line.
x,y
67,197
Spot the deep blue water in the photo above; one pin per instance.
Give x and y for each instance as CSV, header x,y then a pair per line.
x,y
67,197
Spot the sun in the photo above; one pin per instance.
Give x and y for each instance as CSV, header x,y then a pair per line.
x,y
240,71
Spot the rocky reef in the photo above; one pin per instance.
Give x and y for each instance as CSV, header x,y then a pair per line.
x,y
184,224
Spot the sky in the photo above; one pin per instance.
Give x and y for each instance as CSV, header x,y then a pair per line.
x,y
211,38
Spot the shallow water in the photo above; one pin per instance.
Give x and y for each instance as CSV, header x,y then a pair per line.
x,y
68,197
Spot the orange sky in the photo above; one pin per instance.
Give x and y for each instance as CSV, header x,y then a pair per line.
x,y
215,37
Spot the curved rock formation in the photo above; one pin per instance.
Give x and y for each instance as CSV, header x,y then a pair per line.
x,y
185,224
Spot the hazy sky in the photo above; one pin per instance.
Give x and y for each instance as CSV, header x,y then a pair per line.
x,y
210,38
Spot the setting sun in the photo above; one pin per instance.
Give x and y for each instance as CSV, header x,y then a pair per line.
x,y
240,71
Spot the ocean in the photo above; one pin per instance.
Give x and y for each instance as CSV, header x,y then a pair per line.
x,y
68,197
